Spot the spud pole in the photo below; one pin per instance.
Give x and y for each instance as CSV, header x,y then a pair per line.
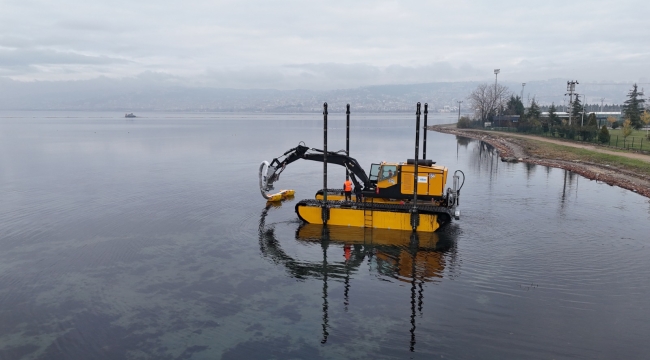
x,y
415,219
325,211
347,135
424,138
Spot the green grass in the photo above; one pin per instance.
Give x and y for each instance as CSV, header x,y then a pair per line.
x,y
544,149
637,140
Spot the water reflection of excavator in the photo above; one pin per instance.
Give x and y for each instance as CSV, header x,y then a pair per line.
x,y
410,257
402,195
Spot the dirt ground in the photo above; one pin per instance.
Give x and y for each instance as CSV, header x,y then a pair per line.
x,y
522,148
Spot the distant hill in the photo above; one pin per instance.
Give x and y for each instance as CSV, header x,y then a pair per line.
x,y
138,94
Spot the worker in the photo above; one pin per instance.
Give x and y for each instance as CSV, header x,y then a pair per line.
x,y
347,189
357,193
390,173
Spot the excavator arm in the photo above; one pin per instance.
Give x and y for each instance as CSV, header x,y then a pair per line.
x,y
270,172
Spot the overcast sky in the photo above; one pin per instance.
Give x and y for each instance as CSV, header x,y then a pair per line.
x,y
326,44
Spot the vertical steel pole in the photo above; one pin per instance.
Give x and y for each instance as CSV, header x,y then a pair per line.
x,y
415,219
347,136
424,139
347,129
325,211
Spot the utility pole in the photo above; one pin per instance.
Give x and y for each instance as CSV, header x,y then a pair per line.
x,y
584,97
570,87
496,75
459,102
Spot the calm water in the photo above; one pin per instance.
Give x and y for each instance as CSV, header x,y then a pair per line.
x,y
149,239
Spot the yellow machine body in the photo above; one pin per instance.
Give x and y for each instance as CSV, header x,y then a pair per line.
x,y
380,219
394,185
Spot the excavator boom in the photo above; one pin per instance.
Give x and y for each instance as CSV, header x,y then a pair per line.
x,y
270,172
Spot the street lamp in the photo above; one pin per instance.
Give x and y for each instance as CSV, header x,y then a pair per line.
x,y
522,92
496,75
459,102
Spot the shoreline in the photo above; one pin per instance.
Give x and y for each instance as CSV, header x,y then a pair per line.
x,y
523,149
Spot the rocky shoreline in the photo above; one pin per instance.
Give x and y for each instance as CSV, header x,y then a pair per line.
x,y
515,150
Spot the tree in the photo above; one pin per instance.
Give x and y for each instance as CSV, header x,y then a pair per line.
x,y
645,118
552,115
603,135
627,128
634,107
611,120
576,111
592,120
534,111
514,106
486,99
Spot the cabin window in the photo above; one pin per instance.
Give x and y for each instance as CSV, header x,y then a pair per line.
x,y
374,172
388,171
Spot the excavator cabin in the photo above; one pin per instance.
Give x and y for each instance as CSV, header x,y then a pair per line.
x,y
396,180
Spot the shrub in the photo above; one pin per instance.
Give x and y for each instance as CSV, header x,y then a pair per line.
x,y
463,123
545,127
603,135
615,125
587,134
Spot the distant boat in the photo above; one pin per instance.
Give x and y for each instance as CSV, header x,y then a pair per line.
x,y
129,115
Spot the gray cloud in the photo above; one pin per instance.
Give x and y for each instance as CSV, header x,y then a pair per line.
x,y
323,45
27,57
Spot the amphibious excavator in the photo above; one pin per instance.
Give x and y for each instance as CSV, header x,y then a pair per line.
x,y
406,195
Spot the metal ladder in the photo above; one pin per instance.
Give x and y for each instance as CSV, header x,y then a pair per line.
x,y
367,213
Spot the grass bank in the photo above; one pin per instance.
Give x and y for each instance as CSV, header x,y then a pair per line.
x,y
545,150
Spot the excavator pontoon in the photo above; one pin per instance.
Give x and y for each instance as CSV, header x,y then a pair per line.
x,y
406,195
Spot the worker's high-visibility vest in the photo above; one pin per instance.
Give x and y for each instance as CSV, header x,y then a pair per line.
x,y
347,185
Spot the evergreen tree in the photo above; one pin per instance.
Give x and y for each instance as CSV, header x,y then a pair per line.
x,y
534,111
515,106
634,107
552,115
603,136
576,111
592,120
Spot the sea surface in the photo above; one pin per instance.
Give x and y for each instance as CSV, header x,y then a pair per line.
x,y
148,238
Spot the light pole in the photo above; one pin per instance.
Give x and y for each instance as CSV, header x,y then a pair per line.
x,y
522,92
496,75
459,102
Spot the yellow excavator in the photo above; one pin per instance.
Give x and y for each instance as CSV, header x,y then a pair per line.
x,y
406,195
